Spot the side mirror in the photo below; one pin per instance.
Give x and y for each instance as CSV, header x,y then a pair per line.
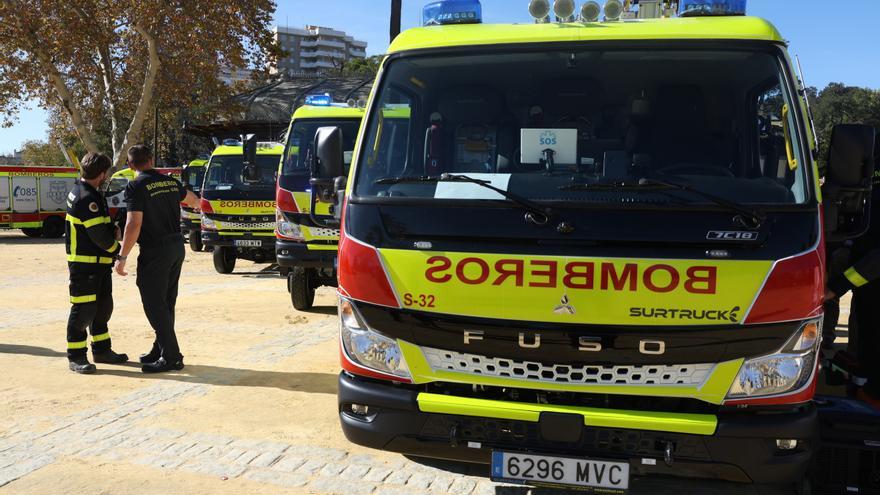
x,y
250,172
327,171
848,181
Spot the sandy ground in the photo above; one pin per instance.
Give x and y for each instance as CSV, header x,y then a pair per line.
x,y
259,375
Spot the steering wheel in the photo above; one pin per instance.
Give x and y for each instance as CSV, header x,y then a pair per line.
x,y
697,169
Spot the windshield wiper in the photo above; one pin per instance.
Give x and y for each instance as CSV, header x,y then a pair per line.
x,y
535,213
749,217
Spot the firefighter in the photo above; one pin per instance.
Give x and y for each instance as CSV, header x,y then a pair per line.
x,y
91,247
863,278
153,221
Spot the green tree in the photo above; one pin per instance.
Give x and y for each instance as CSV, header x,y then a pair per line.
x,y
105,66
842,104
42,154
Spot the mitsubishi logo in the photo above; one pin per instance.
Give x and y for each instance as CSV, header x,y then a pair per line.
x,y
564,307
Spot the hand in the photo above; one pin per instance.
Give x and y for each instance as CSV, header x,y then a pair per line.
x,y
829,295
120,267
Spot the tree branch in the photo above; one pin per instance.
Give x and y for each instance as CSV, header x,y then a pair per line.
x,y
63,92
146,101
109,79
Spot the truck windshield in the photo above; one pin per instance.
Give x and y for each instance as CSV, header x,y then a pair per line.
x,y
193,176
224,173
535,123
299,145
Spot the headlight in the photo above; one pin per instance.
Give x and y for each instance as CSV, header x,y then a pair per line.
x,y
207,223
287,229
788,370
368,348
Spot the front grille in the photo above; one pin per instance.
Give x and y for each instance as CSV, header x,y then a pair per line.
x,y
605,441
322,232
245,225
475,364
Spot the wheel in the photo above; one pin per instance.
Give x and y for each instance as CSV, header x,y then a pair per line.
x,y
195,241
224,259
302,294
33,232
53,228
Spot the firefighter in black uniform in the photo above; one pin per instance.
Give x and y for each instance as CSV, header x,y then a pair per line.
x,y
91,247
863,278
153,221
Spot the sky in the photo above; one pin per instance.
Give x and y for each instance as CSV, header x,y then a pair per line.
x,y
832,48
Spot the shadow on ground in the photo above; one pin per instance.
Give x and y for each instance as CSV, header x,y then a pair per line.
x,y
313,383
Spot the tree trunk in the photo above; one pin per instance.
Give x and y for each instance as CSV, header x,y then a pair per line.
x,y
146,101
109,79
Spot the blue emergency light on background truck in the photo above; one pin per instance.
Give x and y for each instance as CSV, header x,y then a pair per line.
x,y
644,299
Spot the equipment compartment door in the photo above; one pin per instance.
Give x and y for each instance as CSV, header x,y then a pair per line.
x,y
5,202
24,195
53,193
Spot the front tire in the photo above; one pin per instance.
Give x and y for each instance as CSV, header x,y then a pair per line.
x,y
224,259
302,294
195,241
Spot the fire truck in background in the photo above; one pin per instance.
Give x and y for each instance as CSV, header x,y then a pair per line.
x,y
191,218
305,248
34,199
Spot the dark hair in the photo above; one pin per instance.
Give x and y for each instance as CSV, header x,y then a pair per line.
x,y
94,164
139,155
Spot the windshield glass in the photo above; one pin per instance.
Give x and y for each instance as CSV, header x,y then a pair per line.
x,y
192,176
224,173
298,149
536,123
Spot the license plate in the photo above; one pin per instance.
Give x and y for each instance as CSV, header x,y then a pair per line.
x,y
588,474
245,243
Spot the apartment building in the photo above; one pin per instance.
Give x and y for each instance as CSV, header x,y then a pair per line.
x,y
315,50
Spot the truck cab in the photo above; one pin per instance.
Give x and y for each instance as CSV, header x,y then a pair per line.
x,y
191,218
592,246
238,203
305,248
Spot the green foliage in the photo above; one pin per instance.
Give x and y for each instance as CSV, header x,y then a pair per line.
x,y
42,154
842,104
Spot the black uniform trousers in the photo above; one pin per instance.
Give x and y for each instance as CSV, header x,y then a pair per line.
x,y
866,320
158,275
91,296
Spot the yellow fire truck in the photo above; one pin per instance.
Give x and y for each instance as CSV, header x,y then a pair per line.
x,y
238,203
590,254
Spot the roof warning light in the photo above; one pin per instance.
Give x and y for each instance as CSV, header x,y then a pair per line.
x,y
323,100
696,8
452,12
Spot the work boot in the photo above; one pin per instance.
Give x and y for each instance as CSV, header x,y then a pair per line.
x,y
161,366
82,366
150,357
110,357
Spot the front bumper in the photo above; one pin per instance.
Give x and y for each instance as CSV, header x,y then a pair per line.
x,y
217,239
294,253
742,447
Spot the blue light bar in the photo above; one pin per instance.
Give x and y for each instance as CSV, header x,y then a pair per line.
x,y
323,100
697,8
452,12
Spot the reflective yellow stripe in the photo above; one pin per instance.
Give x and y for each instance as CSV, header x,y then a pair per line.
x,y
83,299
855,277
101,337
77,345
72,220
114,246
88,259
96,221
